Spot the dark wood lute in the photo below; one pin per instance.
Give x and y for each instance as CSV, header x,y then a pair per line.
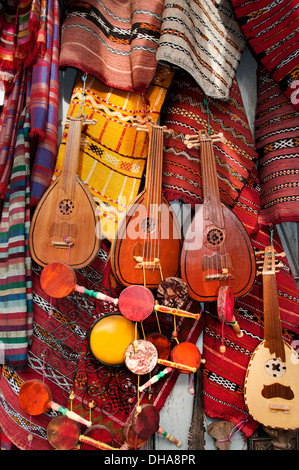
x,y
217,250
65,226
271,389
147,244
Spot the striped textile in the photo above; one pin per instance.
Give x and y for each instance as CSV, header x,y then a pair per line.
x,y
204,39
44,106
15,260
224,375
277,143
13,105
186,111
272,29
19,39
113,152
115,42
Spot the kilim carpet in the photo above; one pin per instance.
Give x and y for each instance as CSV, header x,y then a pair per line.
x,y
271,27
116,42
113,152
204,39
59,355
187,110
277,143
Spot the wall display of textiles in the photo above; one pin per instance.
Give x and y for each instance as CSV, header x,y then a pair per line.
x,y
82,359
277,142
204,39
113,152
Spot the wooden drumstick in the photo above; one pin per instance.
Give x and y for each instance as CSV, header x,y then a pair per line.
x,y
175,311
92,442
168,436
176,365
155,378
69,414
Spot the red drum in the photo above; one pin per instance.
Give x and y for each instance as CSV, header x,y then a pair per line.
x,y
186,353
98,433
109,338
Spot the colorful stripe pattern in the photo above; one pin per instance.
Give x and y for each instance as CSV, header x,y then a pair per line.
x,y
15,260
272,29
204,39
277,142
114,42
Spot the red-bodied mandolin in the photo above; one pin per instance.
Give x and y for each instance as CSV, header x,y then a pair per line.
x,y
65,226
271,389
217,249
147,244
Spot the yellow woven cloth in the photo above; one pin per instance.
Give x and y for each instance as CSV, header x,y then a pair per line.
x,y
112,152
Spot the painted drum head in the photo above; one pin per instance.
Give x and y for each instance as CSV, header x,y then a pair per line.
x,y
225,304
173,292
186,353
63,433
58,280
109,337
34,397
136,303
141,357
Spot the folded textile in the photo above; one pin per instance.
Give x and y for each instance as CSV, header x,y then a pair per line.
x,y
204,39
272,29
277,143
115,42
113,153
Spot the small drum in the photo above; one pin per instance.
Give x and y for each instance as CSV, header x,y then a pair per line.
x,y
98,433
161,343
63,433
109,337
186,353
141,357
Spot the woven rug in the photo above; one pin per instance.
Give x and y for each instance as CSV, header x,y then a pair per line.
x,y
15,262
277,143
186,111
116,42
224,375
272,29
204,39
113,152
59,355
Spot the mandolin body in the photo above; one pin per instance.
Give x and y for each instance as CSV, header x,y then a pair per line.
x,y
150,237
271,389
65,229
209,252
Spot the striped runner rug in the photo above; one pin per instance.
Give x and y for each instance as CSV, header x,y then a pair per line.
x,y
277,143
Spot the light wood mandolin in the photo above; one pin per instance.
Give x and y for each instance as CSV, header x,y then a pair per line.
x,y
217,250
65,226
271,389
147,245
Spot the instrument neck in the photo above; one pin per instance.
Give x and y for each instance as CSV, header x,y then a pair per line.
x,y
211,197
272,325
71,155
153,181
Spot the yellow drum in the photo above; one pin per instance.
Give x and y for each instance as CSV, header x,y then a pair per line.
x,y
110,336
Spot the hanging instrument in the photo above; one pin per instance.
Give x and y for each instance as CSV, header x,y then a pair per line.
x,y
271,389
65,225
35,398
135,302
147,244
217,249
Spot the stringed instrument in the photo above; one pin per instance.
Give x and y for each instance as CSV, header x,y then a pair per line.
x,y
217,250
271,389
147,244
65,226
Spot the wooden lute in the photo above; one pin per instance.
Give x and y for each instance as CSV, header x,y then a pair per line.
x,y
147,244
65,226
217,250
271,389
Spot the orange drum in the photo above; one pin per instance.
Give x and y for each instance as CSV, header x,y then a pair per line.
x,y
109,338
